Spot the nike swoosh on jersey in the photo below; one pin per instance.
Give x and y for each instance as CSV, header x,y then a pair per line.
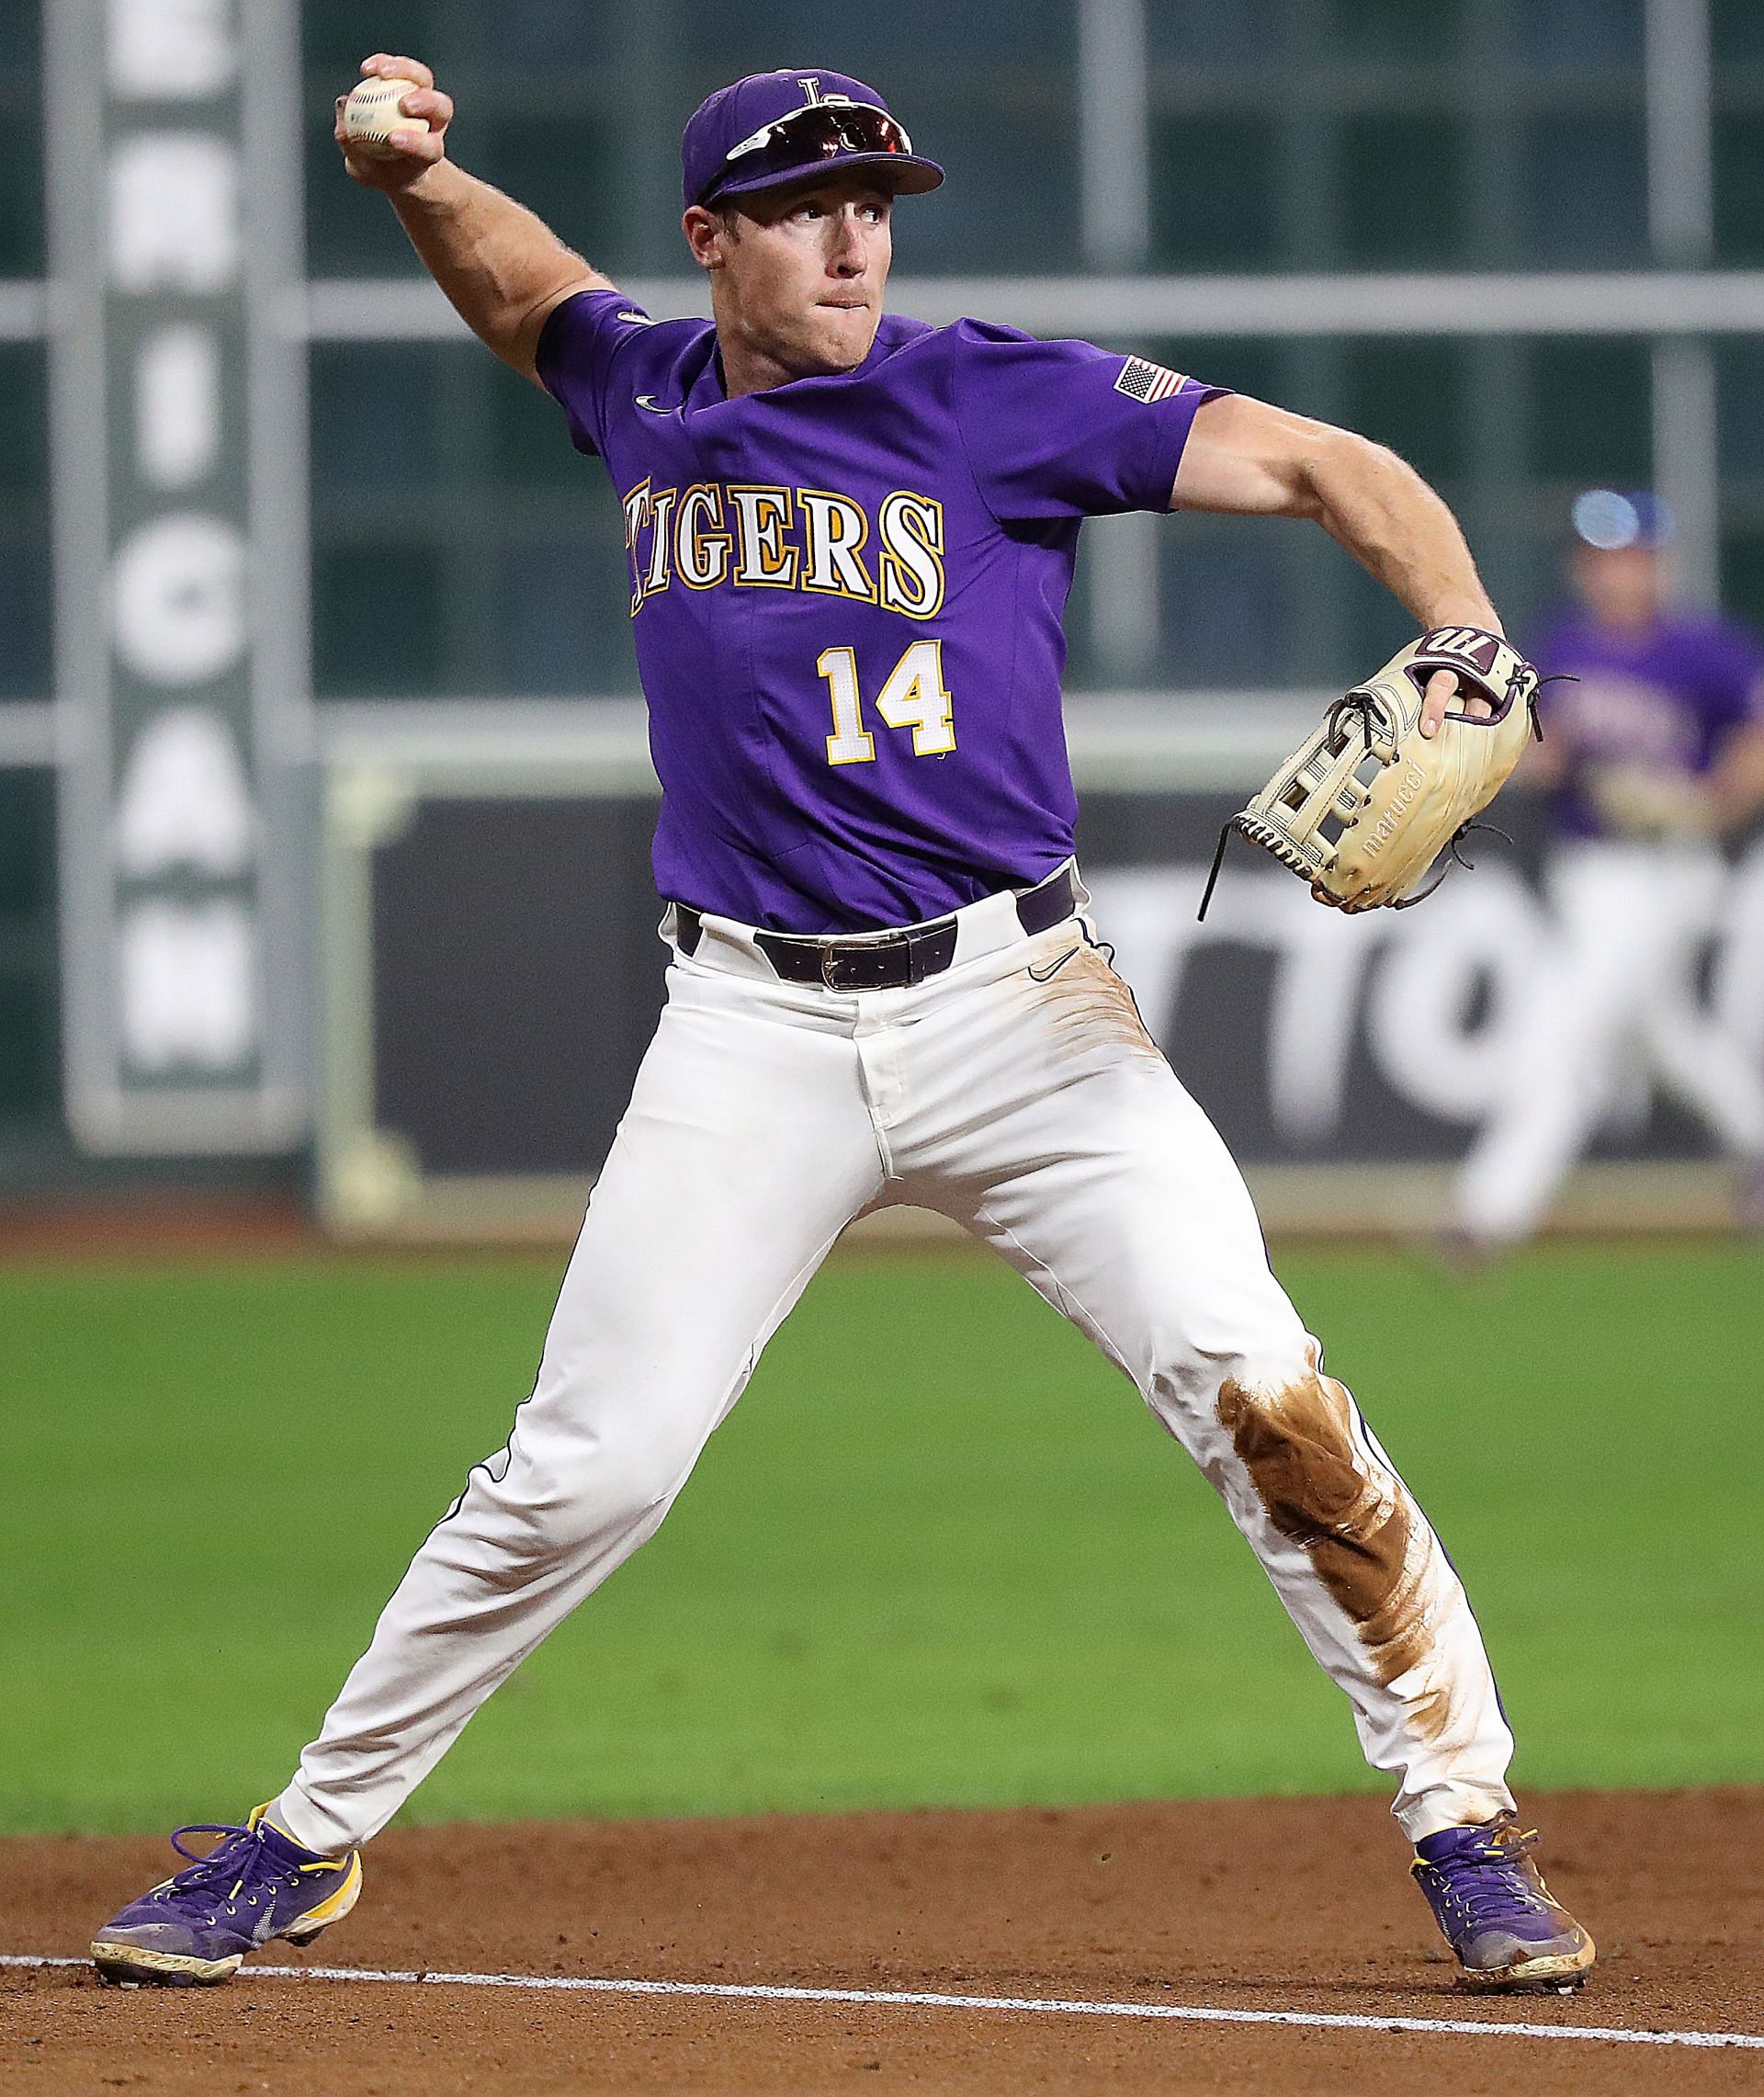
x,y
649,402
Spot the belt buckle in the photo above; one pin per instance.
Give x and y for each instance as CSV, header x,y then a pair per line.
x,y
865,966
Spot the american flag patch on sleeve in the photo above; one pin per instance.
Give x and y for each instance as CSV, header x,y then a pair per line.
x,y
1142,381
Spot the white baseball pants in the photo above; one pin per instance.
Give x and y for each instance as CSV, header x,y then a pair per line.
x,y
1018,1092
1616,984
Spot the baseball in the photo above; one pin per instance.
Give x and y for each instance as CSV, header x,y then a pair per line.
x,y
372,115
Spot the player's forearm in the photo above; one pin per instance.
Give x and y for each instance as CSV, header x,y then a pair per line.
x,y
502,267
1380,509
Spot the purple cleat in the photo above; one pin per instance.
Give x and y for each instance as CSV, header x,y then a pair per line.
x,y
195,1928
1490,1902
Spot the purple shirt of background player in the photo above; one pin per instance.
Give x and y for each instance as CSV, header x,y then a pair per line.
x,y
847,595
1645,688
1666,696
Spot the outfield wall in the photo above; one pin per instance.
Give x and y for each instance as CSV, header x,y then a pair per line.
x,y
206,329
491,974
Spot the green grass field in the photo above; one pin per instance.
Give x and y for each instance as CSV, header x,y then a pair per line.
x,y
939,1554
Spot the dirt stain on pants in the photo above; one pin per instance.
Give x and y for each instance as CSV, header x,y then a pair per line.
x,y
1091,1008
1353,1517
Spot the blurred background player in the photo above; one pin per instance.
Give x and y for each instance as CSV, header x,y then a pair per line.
x,y
1653,754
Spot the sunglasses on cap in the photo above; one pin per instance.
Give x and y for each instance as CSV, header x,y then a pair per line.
x,y
829,129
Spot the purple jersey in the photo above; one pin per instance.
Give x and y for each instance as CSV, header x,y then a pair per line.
x,y
1667,697
847,595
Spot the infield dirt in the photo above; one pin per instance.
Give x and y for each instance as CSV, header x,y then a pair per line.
x,y
1282,1905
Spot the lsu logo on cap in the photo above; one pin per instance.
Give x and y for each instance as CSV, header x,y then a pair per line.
x,y
1141,380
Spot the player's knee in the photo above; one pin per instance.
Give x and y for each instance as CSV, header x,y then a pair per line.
x,y
1253,1338
637,1475
1186,1390
584,1496
1269,1366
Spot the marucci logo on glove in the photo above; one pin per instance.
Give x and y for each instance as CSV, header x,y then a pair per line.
x,y
1391,822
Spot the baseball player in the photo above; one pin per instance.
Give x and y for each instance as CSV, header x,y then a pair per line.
x,y
1654,751
850,539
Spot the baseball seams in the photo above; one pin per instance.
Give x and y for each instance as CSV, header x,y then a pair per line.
x,y
372,115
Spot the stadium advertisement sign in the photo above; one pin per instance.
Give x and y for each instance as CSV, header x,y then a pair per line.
x,y
496,974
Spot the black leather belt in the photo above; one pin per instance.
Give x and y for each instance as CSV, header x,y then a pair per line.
x,y
886,961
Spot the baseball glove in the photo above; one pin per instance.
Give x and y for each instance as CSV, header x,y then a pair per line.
x,y
1367,804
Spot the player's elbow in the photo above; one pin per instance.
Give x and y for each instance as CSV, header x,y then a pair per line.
x,y
1342,468
1360,492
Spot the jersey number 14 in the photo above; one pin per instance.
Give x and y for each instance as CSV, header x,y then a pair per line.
x,y
913,696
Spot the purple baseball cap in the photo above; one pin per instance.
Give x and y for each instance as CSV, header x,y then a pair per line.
x,y
777,127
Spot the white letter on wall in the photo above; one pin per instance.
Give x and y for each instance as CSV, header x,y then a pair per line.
x,y
185,800
172,48
174,212
177,600
188,994
177,406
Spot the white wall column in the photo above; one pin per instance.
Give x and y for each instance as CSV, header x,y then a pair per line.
x,y
1115,207
178,479
1114,220
1680,185
1687,466
1680,204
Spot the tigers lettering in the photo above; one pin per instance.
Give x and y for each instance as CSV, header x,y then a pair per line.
x,y
762,535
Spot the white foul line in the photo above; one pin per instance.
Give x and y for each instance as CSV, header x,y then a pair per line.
x,y
887,1998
